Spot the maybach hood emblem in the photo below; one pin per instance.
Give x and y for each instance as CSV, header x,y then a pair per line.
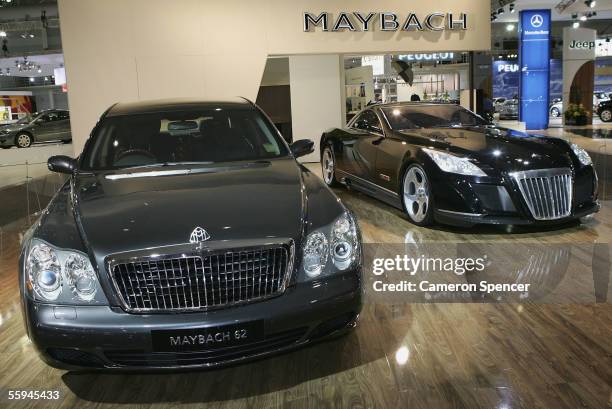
x,y
199,235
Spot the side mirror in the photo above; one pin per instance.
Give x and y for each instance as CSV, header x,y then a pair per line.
x,y
302,147
61,164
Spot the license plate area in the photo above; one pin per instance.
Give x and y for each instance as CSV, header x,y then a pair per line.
x,y
207,338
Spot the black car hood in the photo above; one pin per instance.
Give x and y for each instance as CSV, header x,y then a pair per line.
x,y
242,202
497,148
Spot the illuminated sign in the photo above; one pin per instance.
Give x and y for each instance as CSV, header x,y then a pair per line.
x,y
582,45
534,28
428,57
383,21
507,67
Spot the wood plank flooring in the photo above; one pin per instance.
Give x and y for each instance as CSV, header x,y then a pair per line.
x,y
400,356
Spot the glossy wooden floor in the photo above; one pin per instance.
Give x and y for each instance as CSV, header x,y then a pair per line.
x,y
400,356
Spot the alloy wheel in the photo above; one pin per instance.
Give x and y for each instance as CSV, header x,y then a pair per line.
x,y
606,115
24,140
328,166
416,194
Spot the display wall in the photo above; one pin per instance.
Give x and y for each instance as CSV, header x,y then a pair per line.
x,y
119,50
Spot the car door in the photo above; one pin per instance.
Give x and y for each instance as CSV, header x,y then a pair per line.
x,y
63,125
391,151
370,131
45,127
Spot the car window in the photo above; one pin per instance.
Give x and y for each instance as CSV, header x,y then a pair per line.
x,y
417,116
62,115
368,121
180,137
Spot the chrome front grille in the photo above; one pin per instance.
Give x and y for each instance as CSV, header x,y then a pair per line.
x,y
547,192
202,281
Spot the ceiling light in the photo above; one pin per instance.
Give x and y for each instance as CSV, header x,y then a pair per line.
x,y
511,8
590,3
31,79
583,17
2,33
510,27
576,24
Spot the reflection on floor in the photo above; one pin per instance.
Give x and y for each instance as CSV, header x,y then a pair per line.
x,y
400,356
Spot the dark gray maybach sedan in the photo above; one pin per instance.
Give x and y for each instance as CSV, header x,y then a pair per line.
x,y
187,236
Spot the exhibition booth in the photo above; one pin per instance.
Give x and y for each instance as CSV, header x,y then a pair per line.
x,y
305,203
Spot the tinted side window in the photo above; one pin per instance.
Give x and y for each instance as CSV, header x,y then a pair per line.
x,y
368,121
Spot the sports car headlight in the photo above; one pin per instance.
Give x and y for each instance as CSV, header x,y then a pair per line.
x,y
582,155
339,243
61,276
454,164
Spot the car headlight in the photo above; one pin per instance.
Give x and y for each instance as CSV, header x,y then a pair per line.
x,y
62,276
582,155
332,248
454,164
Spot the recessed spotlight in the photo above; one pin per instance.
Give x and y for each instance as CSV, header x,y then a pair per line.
x,y
583,17
2,33
590,3
576,24
31,79
510,27
511,8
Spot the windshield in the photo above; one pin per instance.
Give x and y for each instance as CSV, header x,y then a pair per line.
x,y
27,119
430,116
185,137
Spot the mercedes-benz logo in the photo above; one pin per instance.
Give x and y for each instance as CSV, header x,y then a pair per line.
x,y
198,235
537,21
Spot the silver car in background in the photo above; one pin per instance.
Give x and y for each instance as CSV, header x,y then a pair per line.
x,y
44,126
509,109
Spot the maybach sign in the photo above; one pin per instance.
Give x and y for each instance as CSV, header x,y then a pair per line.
x,y
384,21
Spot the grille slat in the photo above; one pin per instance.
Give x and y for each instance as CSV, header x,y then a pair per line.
x,y
211,280
547,192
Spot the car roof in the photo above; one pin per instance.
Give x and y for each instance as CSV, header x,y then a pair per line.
x,y
411,103
173,105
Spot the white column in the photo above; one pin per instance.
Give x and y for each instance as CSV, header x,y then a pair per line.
x,y
316,102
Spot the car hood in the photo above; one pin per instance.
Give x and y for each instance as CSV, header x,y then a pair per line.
x,y
243,201
12,127
498,149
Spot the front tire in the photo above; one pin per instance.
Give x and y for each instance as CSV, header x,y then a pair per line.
x,y
23,140
328,166
606,115
416,196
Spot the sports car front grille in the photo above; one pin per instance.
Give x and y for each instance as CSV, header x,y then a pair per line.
x,y
547,192
195,282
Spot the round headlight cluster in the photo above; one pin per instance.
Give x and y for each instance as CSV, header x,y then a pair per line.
x,y
60,275
342,246
344,242
80,277
45,272
315,254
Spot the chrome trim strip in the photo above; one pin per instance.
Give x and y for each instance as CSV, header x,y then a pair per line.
x,y
461,213
368,182
149,174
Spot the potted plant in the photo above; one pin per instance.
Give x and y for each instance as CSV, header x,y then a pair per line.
x,y
576,115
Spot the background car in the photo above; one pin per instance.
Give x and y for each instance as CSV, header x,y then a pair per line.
x,y
443,163
604,110
556,110
509,109
44,126
497,103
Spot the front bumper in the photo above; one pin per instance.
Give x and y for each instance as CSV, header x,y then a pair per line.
x,y
90,337
467,201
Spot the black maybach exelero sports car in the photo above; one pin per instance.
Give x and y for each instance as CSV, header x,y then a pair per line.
x,y
441,162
